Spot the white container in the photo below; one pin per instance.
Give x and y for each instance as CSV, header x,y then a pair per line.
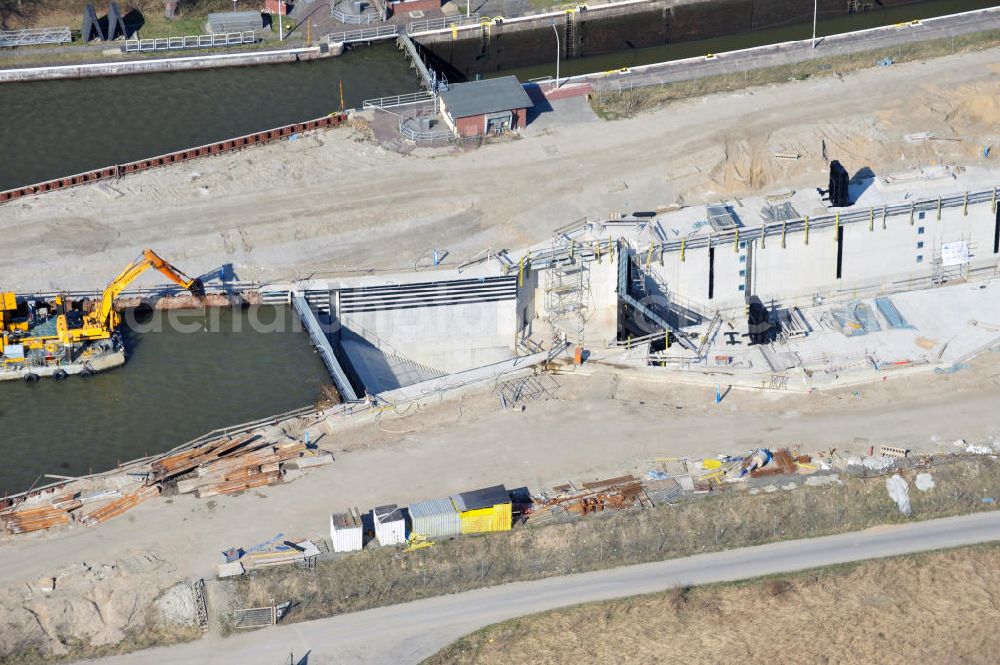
x,y
390,525
345,531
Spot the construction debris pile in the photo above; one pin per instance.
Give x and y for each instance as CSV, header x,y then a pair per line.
x,y
276,552
222,466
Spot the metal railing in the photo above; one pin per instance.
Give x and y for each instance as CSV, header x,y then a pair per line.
x,y
35,36
408,130
429,24
364,35
421,97
323,347
357,19
189,42
774,231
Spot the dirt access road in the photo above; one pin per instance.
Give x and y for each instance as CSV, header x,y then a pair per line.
x,y
338,200
406,634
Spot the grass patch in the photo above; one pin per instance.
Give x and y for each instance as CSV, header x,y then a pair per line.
x,y
625,103
384,576
886,611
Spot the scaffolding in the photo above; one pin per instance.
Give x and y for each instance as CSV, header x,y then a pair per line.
x,y
941,273
567,297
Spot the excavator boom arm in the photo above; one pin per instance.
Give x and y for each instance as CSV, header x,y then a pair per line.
x,y
149,259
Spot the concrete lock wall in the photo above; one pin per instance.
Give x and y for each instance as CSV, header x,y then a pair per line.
x,y
872,257
450,338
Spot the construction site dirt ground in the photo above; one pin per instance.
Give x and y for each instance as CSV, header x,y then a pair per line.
x,y
938,607
337,200
598,425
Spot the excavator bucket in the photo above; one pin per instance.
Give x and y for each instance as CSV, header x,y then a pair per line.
x,y
197,288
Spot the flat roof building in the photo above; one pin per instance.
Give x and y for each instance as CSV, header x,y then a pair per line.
x,y
491,106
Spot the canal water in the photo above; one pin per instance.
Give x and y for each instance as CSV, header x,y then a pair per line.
x,y
58,128
180,381
639,39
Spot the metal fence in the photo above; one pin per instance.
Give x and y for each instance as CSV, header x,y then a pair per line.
x,y
255,617
35,36
422,97
364,35
189,42
429,24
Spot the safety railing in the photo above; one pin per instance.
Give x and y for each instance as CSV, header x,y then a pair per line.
x,y
429,24
775,231
422,97
408,128
364,35
34,36
351,18
189,42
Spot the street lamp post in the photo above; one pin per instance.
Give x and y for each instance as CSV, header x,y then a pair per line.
x,y
815,12
558,50
281,25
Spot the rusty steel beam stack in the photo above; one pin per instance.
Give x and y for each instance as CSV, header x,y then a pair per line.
x,y
182,462
35,519
120,505
251,466
610,494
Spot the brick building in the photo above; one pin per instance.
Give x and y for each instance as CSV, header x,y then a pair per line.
x,y
492,106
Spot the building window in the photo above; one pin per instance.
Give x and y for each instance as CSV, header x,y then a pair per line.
x,y
743,258
920,258
920,230
743,287
743,244
921,215
743,273
920,245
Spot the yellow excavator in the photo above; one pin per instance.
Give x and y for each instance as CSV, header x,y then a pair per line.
x,y
31,325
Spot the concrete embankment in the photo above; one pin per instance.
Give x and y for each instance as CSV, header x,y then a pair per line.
x,y
982,21
162,65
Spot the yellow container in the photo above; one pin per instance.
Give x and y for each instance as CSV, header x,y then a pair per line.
x,y
484,520
710,463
